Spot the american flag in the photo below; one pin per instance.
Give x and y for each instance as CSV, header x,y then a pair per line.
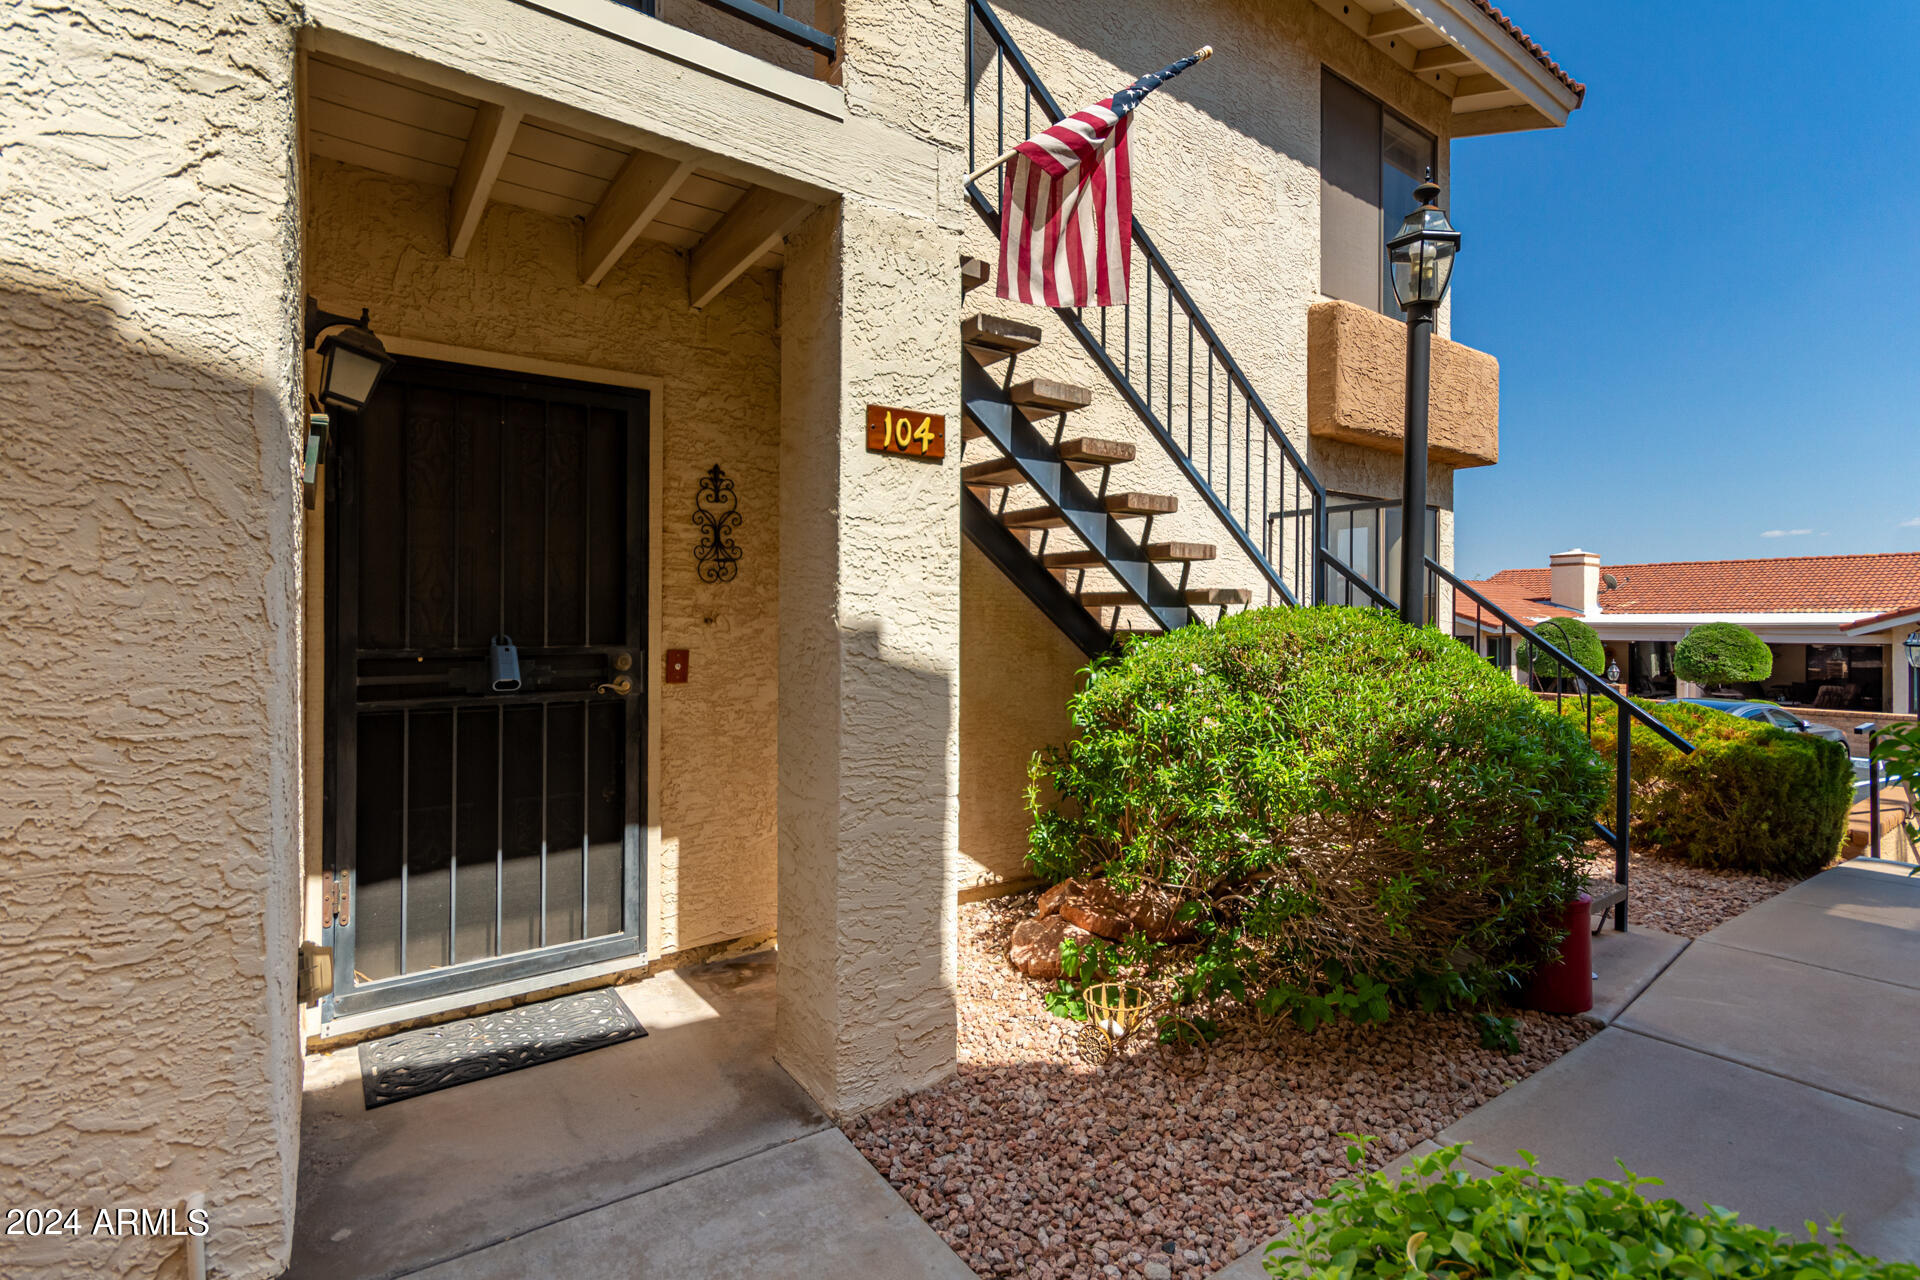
x,y
1066,207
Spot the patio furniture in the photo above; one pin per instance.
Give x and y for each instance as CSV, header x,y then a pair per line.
x,y
1835,697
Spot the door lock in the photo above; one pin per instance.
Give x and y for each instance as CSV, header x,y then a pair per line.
x,y
619,684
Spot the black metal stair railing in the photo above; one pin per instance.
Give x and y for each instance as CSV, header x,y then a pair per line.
x,y
1619,835
1162,356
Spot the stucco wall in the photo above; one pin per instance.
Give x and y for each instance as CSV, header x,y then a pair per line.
x,y
380,242
150,547
869,655
1016,673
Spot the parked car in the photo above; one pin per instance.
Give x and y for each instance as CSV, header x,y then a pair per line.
x,y
1766,713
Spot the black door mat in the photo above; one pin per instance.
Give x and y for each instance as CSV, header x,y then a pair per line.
x,y
439,1057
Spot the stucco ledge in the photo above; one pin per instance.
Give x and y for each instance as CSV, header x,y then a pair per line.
x,y
1356,387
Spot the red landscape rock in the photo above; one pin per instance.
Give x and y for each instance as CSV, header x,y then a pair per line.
x,y
1035,946
1050,900
1096,907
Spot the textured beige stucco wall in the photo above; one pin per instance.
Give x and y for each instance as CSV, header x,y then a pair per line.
x,y
150,551
869,658
1016,673
1357,388
380,242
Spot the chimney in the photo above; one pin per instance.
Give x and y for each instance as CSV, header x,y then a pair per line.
x,y
1576,580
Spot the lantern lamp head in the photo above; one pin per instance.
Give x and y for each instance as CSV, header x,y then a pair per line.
x,y
1421,252
352,358
1912,647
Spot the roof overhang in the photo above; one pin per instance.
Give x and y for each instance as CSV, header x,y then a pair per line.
x,y
1497,83
1884,622
1780,628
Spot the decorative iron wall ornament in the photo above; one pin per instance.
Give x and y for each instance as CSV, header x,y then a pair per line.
x,y
716,514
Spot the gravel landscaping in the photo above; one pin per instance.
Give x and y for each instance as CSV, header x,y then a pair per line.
x,y
1028,1162
1684,900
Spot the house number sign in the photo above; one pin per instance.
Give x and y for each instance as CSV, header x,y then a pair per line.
x,y
907,431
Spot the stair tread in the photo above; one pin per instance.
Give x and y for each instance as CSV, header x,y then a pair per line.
x,y
1094,450
998,334
1081,455
974,272
1193,595
1116,504
1158,552
1050,394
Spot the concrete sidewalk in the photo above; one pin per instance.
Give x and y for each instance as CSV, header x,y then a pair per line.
x,y
1769,1068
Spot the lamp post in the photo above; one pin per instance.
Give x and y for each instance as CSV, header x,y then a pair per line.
x,y
1912,646
1420,255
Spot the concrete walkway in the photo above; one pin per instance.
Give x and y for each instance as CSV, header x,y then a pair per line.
x,y
686,1154
1769,1068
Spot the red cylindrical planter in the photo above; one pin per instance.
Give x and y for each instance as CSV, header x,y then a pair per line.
x,y
1565,983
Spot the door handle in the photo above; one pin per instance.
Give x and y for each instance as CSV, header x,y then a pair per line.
x,y
619,684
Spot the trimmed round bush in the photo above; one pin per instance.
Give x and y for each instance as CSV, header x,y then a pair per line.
x,y
1749,798
1570,636
1340,802
1718,653
1434,1218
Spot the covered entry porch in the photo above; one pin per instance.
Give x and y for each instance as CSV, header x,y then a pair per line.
x,y
638,309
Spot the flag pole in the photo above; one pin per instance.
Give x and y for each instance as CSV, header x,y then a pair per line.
x,y
1201,54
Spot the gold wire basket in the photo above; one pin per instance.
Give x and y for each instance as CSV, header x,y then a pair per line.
x,y
1115,1010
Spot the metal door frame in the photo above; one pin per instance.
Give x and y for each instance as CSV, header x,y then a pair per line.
x,y
338,813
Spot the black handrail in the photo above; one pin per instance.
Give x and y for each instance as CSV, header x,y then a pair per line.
x,y
1620,836
1201,389
772,19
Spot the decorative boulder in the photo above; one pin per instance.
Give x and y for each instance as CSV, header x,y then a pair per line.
x,y
1035,948
1096,907
1050,900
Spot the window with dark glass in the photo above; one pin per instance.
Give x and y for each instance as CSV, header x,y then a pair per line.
x,y
1364,535
1370,162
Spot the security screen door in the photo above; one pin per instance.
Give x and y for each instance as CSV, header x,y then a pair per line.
x,y
479,834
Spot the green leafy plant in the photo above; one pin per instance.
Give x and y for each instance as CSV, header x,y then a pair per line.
x,y
1721,653
1570,636
1432,1219
1751,797
1353,813
1497,1032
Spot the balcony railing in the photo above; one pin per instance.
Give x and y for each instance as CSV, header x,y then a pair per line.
x,y
768,17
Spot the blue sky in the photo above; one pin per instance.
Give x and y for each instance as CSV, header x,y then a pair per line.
x,y
1704,292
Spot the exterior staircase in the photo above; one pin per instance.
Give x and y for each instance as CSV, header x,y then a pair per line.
x,y
1043,505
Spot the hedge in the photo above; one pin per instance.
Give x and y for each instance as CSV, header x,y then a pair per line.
x,y
1751,797
1336,799
1570,636
1722,653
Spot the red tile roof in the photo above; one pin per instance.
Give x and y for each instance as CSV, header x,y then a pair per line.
x,y
1852,585
1526,42
1516,601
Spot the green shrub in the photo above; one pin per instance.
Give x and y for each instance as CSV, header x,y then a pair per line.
x,y
1432,1219
1570,636
1339,801
1720,653
1751,797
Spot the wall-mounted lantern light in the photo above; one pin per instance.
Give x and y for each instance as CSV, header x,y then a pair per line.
x,y
1912,647
352,359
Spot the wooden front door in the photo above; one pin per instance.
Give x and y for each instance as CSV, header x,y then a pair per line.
x,y
482,834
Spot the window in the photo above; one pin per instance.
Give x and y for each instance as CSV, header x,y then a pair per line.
x,y
1364,535
1370,162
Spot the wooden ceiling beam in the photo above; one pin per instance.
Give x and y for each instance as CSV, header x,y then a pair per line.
x,y
636,196
1444,58
749,230
1474,86
1392,23
487,146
